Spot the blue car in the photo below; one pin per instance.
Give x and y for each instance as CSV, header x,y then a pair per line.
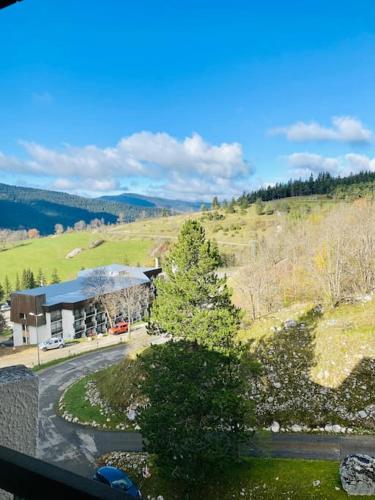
x,y
116,478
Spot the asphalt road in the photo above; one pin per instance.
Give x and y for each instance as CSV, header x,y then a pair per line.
x,y
76,447
72,446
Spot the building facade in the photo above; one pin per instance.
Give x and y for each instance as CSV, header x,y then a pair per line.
x,y
72,309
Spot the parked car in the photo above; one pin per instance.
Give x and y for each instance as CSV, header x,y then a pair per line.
x,y
117,479
53,343
4,308
7,343
119,328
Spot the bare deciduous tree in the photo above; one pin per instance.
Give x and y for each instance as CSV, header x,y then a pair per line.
x,y
115,295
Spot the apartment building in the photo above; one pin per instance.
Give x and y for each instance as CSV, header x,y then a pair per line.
x,y
71,309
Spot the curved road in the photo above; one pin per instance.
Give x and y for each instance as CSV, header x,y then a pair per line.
x,y
71,446
75,447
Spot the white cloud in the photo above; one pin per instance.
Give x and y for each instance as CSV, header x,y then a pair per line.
x,y
190,167
344,129
304,164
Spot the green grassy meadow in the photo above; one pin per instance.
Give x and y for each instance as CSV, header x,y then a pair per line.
x,y
49,253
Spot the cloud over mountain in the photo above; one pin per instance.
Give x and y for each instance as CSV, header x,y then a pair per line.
x,y
190,167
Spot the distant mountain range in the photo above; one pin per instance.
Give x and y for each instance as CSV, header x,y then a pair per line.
x,y
139,200
26,208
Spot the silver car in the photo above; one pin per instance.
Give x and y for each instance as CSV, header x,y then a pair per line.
x,y
53,343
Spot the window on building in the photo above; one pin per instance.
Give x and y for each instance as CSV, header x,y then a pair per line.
x,y
56,316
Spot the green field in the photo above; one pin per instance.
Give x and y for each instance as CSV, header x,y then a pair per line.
x,y
50,252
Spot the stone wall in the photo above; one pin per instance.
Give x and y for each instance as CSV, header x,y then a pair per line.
x,y
18,411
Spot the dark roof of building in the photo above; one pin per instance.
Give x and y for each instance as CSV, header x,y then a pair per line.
x,y
109,279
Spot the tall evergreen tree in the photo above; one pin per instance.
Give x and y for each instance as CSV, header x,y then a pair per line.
x,y
7,288
28,280
2,293
55,277
17,285
193,303
40,278
24,280
195,385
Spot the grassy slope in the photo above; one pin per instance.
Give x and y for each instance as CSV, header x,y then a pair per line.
x,y
270,479
49,253
238,227
76,405
132,243
344,336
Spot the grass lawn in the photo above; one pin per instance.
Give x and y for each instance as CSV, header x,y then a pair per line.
x,y
268,479
49,253
76,405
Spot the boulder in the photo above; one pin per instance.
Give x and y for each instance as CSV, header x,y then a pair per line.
x,y
296,428
73,253
96,243
357,473
290,323
275,427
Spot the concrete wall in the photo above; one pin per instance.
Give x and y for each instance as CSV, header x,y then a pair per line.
x,y
18,411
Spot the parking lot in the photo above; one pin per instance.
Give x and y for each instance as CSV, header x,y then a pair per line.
x,y
28,355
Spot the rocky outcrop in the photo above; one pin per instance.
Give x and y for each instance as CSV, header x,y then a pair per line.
x,y
357,474
96,243
73,253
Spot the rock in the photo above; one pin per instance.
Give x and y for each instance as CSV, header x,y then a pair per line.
x,y
357,473
275,427
96,243
73,253
328,428
362,414
277,385
131,415
296,428
336,428
316,483
290,323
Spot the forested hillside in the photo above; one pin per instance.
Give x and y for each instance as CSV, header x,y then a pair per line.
x,y
352,186
25,208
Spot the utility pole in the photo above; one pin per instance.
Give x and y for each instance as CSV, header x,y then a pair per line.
x,y
36,316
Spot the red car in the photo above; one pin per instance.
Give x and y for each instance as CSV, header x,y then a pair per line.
x,y
119,328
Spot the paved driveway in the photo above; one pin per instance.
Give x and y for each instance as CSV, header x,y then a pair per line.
x,y
28,355
72,446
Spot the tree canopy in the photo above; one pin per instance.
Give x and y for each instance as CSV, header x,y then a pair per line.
x,y
192,302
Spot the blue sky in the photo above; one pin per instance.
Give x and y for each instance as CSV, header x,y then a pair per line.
x,y
184,99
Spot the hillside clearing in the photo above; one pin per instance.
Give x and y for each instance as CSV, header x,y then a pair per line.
x,y
50,253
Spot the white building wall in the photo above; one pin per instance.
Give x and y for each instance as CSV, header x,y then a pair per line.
x,y
17,335
35,335
38,335
67,322
48,325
